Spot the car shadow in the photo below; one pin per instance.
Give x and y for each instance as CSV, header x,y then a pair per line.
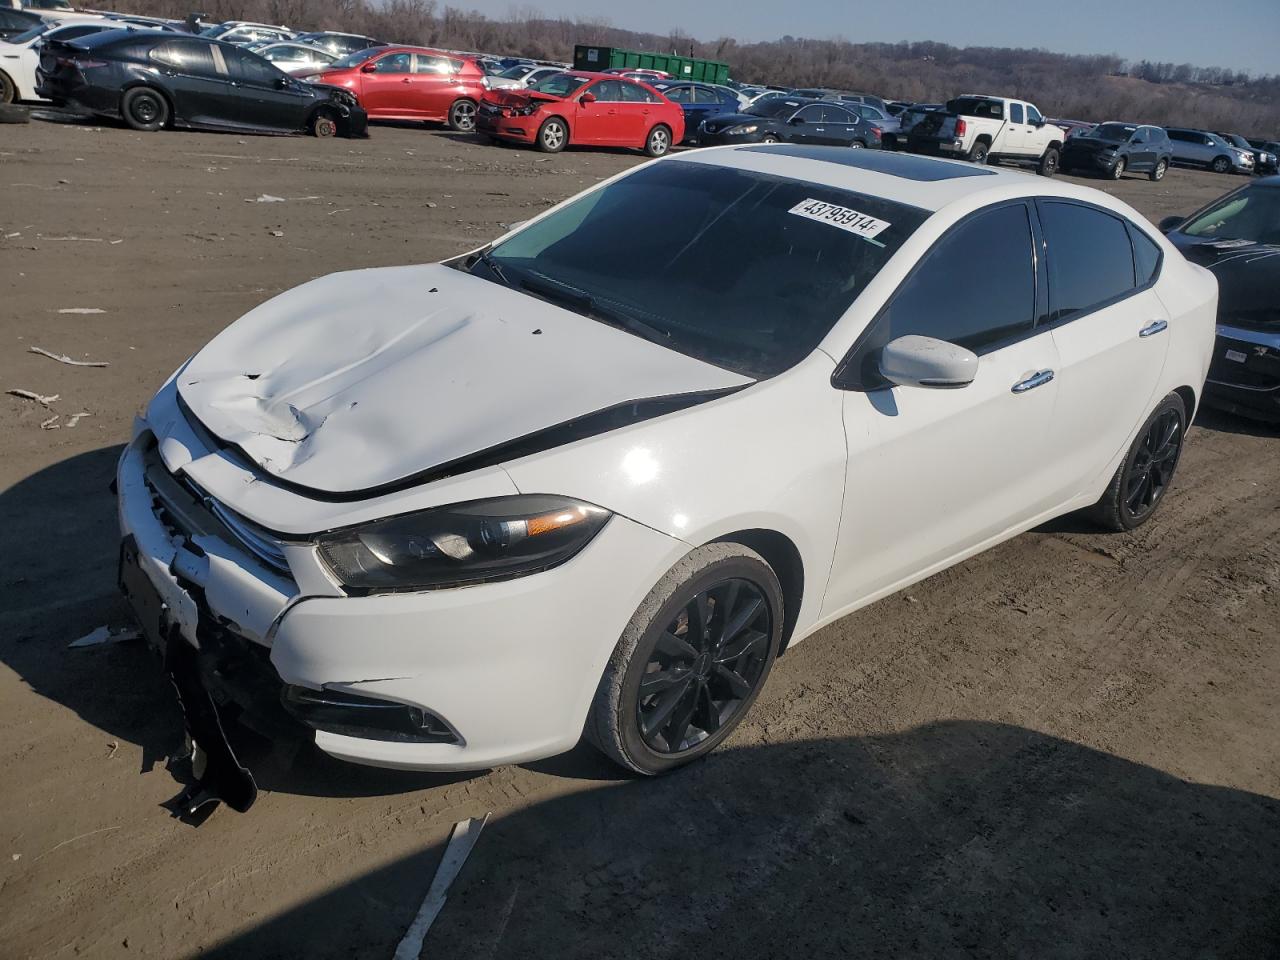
x,y
1220,421
956,839
58,583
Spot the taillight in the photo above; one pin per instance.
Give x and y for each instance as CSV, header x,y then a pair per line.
x,y
961,127
876,132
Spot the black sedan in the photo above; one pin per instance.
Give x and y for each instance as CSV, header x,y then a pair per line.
x,y
1238,238
155,80
792,120
1113,149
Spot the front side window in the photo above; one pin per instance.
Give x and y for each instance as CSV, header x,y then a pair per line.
x,y
355,59
749,271
1033,115
1090,257
810,114
394,63
976,287
250,68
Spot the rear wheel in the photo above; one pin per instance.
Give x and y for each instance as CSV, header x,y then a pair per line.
x,y
855,144
1048,165
462,116
658,142
691,662
324,124
978,154
1118,168
144,109
552,135
8,93
1221,165
1144,475
1162,167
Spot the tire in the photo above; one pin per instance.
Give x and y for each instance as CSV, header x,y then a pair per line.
x,y
14,113
144,108
323,124
1118,168
8,92
1048,164
855,145
978,154
462,116
553,135
692,669
768,138
1220,165
658,142
1161,168
1145,474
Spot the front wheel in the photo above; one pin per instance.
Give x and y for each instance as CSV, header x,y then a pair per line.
x,y
1221,165
1144,475
658,142
552,136
324,125
768,138
1161,169
1117,169
462,116
1048,165
691,661
144,109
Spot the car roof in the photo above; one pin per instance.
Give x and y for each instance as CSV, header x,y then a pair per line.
x,y
925,182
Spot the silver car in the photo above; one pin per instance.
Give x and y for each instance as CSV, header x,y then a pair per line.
x,y
1200,148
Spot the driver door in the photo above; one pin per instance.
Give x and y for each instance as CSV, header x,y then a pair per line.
x,y
935,474
384,88
269,98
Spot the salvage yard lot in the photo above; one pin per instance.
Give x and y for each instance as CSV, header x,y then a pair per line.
x,y
1064,747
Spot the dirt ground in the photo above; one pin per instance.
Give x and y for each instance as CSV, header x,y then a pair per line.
x,y
1064,748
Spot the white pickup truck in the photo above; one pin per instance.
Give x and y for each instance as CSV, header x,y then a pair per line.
x,y
989,130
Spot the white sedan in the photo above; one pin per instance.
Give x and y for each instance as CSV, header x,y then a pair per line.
x,y
597,478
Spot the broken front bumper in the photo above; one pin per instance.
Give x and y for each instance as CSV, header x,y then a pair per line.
x,y
451,679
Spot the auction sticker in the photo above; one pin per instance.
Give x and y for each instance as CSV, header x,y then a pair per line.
x,y
842,217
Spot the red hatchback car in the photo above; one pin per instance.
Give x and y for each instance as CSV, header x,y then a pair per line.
x,y
411,83
592,109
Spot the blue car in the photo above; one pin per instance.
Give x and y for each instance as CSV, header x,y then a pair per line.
x,y
699,101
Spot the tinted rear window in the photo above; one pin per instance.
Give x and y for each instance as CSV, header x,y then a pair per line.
x,y
745,272
1090,258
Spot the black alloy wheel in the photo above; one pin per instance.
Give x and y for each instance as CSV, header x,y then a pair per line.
x,y
1151,467
706,664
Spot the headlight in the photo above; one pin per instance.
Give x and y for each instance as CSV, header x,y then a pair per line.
x,y
525,111
744,128
464,543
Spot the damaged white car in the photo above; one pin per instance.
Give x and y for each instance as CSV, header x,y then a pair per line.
x,y
597,475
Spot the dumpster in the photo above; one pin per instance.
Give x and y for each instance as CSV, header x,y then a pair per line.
x,y
586,57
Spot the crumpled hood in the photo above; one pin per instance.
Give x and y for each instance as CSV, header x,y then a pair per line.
x,y
358,380
518,96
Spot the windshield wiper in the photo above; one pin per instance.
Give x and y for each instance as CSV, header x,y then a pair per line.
x,y
584,303
487,259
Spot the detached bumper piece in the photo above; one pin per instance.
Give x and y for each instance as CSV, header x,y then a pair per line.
x,y
347,714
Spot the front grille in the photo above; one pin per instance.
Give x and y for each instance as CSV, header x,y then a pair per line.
x,y
252,537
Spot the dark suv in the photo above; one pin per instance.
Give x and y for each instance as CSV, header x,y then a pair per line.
x,y
1114,148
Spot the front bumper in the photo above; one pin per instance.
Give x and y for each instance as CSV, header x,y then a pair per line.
x,y
518,129
1244,376
1087,160
508,669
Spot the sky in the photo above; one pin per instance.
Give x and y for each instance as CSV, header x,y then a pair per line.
x,y
1239,34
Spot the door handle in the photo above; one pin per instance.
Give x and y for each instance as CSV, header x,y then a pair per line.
x,y
1154,327
1037,379
405,80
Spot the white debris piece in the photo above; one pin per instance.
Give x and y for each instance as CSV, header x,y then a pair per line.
x,y
83,310
464,837
104,635
63,358
31,395
267,198
77,417
51,423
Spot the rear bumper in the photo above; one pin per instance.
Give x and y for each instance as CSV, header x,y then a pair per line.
x,y
1244,377
936,146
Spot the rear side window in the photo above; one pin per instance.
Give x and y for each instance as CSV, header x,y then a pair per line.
x,y
1015,112
433,65
1146,256
634,93
985,268
186,56
1090,258
608,91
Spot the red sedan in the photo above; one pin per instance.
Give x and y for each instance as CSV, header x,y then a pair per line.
x,y
593,109
411,83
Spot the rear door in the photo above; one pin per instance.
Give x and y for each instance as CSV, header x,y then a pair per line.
x,y
1142,155
637,102
840,127
936,473
385,90
1110,329
434,85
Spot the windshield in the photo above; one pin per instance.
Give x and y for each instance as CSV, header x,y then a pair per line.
x,y
1236,140
1252,214
357,58
1115,132
559,84
212,31
515,73
28,35
749,271
773,107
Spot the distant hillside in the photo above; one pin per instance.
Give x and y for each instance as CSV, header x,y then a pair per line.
x,y
1101,87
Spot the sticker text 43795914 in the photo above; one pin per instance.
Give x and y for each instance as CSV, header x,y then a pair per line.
x,y
842,217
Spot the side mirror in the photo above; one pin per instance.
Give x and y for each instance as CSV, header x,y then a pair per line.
x,y
283,83
587,97
915,361
369,68
1170,223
